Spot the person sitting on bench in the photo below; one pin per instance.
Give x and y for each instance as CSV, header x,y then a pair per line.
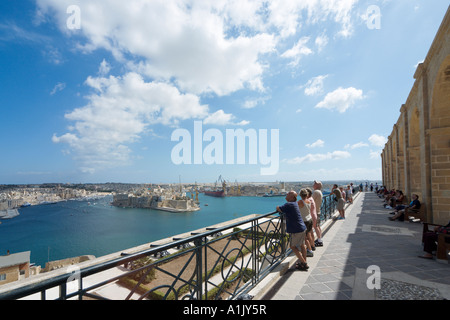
x,y
400,214
430,239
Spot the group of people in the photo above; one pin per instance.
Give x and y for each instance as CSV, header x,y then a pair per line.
x,y
302,217
342,195
396,200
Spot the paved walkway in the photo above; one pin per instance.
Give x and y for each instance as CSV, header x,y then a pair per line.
x,y
363,252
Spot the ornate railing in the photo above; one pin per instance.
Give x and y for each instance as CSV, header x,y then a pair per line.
x,y
221,263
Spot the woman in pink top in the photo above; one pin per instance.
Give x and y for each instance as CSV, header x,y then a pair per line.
x,y
313,217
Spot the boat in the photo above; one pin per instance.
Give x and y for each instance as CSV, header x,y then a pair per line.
x,y
47,202
26,204
171,209
281,194
216,193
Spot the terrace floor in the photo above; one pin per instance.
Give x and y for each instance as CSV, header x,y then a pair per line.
x,y
365,257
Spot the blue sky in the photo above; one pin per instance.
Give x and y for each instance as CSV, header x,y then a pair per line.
x,y
92,91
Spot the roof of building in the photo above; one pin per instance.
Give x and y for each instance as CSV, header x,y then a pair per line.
x,y
15,259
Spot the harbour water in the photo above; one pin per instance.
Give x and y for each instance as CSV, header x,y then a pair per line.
x,y
74,228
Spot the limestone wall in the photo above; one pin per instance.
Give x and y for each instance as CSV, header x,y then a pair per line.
x,y
416,158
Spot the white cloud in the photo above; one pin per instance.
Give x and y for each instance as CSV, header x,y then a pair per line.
x,y
118,113
374,154
317,144
252,103
104,68
335,155
221,118
377,140
321,42
288,16
202,46
298,51
341,99
173,52
314,86
195,49
60,86
356,145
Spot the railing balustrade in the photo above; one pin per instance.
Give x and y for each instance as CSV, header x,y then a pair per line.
x,y
221,263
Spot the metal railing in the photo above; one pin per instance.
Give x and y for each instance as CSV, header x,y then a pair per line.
x,y
221,263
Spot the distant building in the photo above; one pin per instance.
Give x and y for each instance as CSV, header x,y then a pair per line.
x,y
14,267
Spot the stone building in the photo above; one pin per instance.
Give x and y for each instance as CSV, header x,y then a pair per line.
x,y
14,267
416,157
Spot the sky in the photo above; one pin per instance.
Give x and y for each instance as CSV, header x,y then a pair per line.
x,y
162,91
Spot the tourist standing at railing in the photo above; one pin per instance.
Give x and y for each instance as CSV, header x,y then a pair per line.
x,y
317,197
340,202
310,235
350,194
296,228
304,205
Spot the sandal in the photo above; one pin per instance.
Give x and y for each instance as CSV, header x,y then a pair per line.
x,y
302,266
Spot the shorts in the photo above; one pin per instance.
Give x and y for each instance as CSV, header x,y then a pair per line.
x,y
318,219
340,204
309,225
297,239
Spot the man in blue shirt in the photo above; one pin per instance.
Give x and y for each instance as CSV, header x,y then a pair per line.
x,y
296,228
400,211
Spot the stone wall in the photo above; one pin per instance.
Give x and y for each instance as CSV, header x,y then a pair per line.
x,y
53,265
416,158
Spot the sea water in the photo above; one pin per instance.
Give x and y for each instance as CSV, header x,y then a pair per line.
x,y
74,228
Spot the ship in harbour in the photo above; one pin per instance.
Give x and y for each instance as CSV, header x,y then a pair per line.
x,y
216,192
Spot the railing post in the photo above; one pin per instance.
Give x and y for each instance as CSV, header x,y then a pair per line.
x,y
255,250
63,291
283,234
198,251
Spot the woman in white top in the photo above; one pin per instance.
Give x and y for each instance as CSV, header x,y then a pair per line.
x,y
313,217
305,210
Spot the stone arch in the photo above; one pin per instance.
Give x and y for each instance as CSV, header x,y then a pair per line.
x,y
401,159
439,135
394,161
440,103
414,128
414,151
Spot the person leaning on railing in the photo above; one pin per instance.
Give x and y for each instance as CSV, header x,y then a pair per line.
x,y
318,198
296,228
340,201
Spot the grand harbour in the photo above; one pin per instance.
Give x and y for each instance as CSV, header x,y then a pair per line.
x,y
59,224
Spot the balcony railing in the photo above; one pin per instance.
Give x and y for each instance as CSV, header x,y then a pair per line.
x,y
221,263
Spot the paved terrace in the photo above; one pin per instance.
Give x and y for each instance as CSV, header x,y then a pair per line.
x,y
339,269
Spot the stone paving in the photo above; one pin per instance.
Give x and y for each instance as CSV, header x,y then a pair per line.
x,y
367,257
